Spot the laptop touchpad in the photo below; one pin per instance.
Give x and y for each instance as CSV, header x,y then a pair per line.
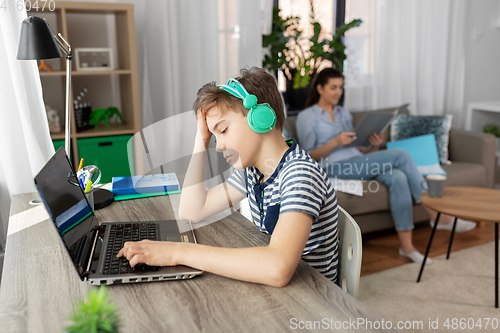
x,y
177,238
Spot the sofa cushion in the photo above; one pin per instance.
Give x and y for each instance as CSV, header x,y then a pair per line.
x,y
466,174
405,127
375,198
383,220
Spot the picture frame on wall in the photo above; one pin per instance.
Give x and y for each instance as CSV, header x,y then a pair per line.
x,y
94,59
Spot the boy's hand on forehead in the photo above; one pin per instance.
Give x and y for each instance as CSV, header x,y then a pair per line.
x,y
202,126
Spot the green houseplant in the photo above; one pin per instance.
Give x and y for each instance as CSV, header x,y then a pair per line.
x,y
95,315
288,48
495,130
492,129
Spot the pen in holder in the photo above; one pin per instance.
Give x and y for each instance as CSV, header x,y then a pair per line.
x,y
89,173
89,176
89,193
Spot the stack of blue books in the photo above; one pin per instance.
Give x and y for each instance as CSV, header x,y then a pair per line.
x,y
145,186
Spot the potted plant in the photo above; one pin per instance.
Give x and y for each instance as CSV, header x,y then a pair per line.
x,y
95,315
298,57
495,130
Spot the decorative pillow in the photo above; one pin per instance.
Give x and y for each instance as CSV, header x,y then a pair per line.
x,y
405,127
424,152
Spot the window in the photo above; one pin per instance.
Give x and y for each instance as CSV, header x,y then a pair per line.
x,y
324,14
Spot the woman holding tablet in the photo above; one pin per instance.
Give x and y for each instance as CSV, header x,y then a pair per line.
x,y
324,128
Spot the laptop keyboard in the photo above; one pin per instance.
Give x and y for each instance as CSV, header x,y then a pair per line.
x,y
76,249
121,233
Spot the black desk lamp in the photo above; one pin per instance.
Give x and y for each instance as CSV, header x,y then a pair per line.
x,y
37,42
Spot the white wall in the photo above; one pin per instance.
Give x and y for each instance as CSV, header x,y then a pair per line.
x,y
482,73
1,265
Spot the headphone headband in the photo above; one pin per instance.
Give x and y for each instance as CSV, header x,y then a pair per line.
x,y
261,117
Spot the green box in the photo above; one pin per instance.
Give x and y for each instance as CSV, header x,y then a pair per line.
x,y
60,143
109,154
57,144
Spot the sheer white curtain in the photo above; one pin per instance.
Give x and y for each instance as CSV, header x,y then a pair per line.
x,y
407,51
185,44
25,143
181,46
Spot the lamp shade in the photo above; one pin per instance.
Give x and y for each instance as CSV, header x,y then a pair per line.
x,y
36,40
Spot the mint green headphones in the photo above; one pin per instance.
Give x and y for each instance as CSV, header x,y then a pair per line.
x,y
261,117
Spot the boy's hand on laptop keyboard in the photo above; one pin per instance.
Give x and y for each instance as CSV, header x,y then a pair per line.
x,y
152,253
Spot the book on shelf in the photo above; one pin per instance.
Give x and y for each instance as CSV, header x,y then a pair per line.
x,y
146,185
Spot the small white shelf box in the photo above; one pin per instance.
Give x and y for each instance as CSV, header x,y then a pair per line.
x,y
482,113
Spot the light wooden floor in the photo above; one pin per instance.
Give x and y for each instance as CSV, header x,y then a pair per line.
x,y
381,253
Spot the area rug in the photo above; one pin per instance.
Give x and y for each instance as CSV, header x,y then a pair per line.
x,y
453,295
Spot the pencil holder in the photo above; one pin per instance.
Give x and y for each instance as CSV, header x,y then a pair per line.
x,y
89,173
82,118
90,197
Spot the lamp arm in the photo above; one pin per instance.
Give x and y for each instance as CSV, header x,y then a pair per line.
x,y
64,40
67,128
66,49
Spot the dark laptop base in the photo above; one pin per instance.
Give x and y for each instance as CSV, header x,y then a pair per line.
x,y
87,242
124,273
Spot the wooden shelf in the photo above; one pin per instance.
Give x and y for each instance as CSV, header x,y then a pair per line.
x,y
83,73
57,136
79,22
92,7
121,129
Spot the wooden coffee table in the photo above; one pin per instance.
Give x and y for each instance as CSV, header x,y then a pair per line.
x,y
468,203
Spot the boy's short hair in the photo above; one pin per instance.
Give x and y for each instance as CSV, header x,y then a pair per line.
x,y
257,82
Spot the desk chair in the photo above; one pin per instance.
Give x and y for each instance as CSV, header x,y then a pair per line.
x,y
350,253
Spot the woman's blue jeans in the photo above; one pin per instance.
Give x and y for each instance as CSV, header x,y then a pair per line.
x,y
393,167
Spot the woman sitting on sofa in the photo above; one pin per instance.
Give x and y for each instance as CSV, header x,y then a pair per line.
x,y
324,128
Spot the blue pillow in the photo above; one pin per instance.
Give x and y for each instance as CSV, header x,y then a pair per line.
x,y
423,151
405,127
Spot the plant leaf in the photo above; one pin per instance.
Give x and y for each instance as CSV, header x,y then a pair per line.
x,y
286,53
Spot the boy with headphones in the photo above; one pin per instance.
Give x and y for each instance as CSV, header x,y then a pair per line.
x,y
290,195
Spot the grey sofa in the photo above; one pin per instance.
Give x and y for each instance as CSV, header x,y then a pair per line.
x,y
473,163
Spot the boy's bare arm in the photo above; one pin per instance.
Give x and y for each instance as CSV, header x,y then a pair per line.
x,y
272,265
193,190
196,202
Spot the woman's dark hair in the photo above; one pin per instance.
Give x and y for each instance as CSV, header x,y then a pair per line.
x,y
321,79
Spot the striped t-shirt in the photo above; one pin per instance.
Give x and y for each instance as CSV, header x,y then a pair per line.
x,y
298,184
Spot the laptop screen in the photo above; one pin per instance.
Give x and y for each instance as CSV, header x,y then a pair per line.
x,y
66,204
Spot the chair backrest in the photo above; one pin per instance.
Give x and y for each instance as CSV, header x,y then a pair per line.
x,y
350,253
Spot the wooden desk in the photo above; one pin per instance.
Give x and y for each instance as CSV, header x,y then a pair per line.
x,y
36,297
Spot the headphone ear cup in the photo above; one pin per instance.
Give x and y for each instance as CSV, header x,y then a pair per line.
x,y
261,118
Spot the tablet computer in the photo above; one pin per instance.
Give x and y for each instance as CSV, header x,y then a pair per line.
x,y
375,122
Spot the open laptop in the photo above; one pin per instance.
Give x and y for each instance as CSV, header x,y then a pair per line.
x,y
93,247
